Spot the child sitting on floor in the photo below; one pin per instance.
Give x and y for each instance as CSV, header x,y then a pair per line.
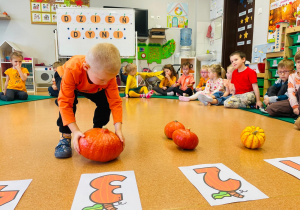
x,y
186,82
245,83
168,82
290,107
204,78
219,97
278,91
53,90
213,85
16,76
132,90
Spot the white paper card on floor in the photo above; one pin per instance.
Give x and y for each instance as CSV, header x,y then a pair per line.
x,y
219,185
11,193
107,191
290,165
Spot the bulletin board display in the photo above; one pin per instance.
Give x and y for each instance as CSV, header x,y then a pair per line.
x,y
283,11
78,29
44,11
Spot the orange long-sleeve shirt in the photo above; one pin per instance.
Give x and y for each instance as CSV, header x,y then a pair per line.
x,y
74,77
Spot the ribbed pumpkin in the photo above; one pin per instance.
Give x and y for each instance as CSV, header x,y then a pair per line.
x,y
185,139
253,137
171,127
100,144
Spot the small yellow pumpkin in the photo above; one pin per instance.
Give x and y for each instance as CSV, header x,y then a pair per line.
x,y
253,137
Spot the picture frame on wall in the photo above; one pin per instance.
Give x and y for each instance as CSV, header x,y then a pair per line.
x,y
45,7
36,17
35,7
45,12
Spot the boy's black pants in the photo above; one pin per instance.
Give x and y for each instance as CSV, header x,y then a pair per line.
x,y
102,111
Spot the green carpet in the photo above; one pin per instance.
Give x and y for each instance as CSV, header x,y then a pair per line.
x,y
257,111
30,98
156,96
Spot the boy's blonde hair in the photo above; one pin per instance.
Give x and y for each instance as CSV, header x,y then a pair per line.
x,y
230,68
297,56
104,56
286,63
16,54
128,68
56,64
217,68
205,67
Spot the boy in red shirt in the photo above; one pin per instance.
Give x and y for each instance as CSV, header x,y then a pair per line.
x,y
245,83
94,77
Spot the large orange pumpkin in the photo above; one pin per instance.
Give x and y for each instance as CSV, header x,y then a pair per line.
x,y
171,127
185,139
253,137
100,144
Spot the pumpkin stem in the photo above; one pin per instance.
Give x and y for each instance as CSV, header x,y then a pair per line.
x,y
254,132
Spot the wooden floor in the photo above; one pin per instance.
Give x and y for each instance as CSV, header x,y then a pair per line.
x,y
29,135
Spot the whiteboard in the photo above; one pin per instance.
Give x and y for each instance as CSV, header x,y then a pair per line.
x,y
78,29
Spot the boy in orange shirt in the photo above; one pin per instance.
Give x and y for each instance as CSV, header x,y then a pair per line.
x,y
16,76
94,77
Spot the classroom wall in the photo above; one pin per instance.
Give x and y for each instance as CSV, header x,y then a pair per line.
x,y
38,40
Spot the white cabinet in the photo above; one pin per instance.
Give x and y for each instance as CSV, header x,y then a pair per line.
x,y
194,68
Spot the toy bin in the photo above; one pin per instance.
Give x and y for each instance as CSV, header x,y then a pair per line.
x,y
274,72
294,49
272,81
296,38
260,82
274,61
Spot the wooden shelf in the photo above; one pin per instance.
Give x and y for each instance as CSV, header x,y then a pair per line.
x,y
162,32
4,17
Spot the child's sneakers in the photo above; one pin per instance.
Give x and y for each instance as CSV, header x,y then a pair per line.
x,y
297,123
170,93
183,98
149,94
63,149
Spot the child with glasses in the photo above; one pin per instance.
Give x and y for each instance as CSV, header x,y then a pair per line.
x,y
290,107
278,91
204,78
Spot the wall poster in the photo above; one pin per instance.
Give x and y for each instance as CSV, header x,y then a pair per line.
x,y
44,11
